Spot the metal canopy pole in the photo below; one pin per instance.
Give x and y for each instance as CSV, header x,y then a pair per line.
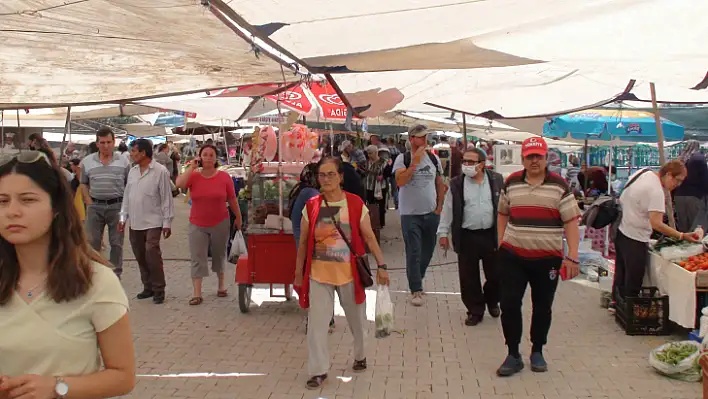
x,y
67,130
226,145
662,159
2,130
464,132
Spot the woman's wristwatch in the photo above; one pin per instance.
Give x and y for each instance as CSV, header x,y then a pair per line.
x,y
382,267
61,389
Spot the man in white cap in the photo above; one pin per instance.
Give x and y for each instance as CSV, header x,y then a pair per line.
x,y
420,200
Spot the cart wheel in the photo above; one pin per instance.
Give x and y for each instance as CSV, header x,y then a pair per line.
x,y
244,297
288,292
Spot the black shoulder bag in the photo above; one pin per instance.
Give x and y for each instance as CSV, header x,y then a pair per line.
x,y
362,262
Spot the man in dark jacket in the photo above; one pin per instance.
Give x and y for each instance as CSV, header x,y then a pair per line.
x,y
469,218
352,181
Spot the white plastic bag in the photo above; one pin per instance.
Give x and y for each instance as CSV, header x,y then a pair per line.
x,y
238,247
687,369
384,312
680,252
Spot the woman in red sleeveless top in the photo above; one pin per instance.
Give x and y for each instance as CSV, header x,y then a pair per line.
x,y
325,264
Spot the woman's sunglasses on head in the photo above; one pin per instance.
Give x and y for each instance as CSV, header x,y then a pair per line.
x,y
24,157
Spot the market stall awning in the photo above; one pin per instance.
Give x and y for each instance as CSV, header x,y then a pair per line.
x,y
79,52
611,124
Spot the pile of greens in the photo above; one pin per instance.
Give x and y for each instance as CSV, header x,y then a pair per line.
x,y
675,352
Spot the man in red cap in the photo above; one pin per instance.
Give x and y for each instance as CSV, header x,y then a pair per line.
x,y
535,208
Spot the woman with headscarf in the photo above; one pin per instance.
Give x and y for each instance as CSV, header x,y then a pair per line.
x,y
690,197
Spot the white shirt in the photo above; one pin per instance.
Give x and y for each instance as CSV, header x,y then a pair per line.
x,y
644,195
478,212
148,201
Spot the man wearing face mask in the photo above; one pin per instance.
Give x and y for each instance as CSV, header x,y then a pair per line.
x,y
469,220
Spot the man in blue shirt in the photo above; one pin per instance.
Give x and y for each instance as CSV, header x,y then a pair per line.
x,y
421,191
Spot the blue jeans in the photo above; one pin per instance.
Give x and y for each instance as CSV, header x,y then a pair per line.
x,y
419,236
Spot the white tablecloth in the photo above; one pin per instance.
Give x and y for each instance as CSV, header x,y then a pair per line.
x,y
679,284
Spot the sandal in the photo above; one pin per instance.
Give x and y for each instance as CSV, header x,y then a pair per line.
x,y
359,365
222,294
197,300
316,381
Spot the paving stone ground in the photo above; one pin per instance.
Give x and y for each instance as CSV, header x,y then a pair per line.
x,y
213,351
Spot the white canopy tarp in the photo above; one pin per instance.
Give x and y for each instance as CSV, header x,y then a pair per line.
x,y
656,40
398,34
206,108
28,116
521,91
145,130
80,52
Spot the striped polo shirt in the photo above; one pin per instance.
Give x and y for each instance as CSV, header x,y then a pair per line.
x,y
105,182
536,215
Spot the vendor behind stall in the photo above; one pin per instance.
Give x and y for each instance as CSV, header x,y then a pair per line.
x,y
690,198
643,210
594,180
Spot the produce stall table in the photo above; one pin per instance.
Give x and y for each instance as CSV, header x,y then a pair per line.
x,y
676,282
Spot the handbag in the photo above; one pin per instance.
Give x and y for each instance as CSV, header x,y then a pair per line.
x,y
362,262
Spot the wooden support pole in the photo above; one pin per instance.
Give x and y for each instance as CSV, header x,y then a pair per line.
x,y
662,159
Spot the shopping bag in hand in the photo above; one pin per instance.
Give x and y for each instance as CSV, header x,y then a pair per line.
x,y
238,247
384,312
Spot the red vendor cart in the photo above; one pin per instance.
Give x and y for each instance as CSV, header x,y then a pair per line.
x,y
270,260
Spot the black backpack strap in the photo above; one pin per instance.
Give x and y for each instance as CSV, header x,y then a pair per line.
x,y
407,156
434,160
407,159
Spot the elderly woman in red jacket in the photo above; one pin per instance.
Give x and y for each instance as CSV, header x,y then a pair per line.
x,y
325,264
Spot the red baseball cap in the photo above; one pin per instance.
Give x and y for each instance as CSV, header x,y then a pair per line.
x,y
534,145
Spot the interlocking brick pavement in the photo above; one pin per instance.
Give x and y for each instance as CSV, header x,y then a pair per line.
x,y
213,351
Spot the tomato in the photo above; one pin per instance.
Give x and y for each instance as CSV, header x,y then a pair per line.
x,y
692,258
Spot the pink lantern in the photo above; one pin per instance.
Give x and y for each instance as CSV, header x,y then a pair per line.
x,y
269,143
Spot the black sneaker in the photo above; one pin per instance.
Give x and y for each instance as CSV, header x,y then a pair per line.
x,y
494,311
538,363
145,294
511,366
473,319
159,298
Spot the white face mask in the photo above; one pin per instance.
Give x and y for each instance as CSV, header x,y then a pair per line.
x,y
469,170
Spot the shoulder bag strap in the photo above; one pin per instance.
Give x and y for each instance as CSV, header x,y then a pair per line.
x,y
339,228
629,183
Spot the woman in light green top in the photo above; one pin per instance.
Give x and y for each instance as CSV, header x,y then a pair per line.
x,y
62,312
